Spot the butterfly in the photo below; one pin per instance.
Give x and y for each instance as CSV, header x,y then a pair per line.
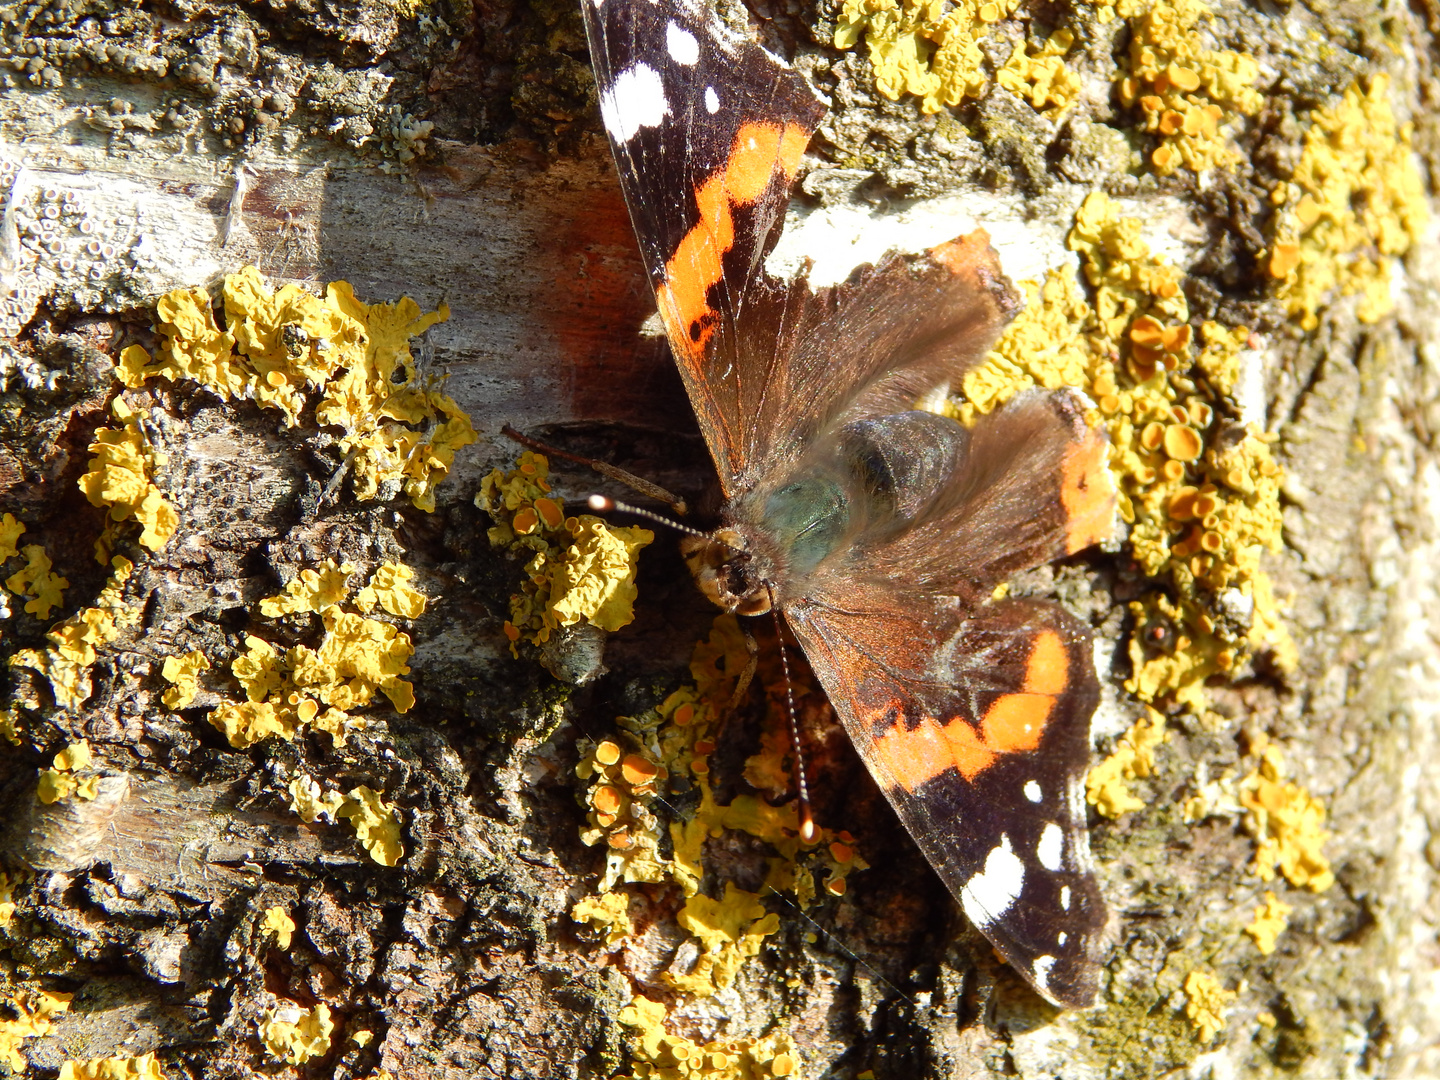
x,y
880,531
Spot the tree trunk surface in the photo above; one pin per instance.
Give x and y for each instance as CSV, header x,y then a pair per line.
x,y
195,138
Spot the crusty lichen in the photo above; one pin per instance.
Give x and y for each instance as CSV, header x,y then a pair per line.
x,y
295,1035
1107,785
1201,499
1269,923
74,643
656,1054
144,1067
923,47
1355,201
284,349
582,570
318,687
1188,93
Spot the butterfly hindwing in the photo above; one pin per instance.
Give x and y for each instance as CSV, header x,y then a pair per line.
x,y
976,727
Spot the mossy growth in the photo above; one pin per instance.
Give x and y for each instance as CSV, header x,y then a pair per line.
x,y
288,349
1354,202
1201,498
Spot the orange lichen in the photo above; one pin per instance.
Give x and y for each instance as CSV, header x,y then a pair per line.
x,y
183,673
144,1067
295,1035
376,824
1041,77
1187,92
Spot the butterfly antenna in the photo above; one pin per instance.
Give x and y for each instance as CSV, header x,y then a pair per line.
x,y
604,468
603,504
807,819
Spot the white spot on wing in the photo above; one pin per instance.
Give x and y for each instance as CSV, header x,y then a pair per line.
x,y
712,101
681,44
1041,968
635,101
1065,897
1032,791
989,894
1052,843
1061,938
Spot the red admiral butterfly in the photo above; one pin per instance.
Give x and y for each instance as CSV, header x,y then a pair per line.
x,y
879,531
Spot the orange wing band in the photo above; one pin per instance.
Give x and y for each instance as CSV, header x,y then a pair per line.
x,y
760,153
1012,724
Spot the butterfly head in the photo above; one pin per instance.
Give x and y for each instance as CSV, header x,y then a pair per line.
x,y
729,571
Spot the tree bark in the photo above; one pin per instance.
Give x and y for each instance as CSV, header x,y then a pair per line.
x,y
199,137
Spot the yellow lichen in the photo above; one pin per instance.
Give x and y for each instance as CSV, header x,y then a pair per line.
x,y
390,587
296,1035
357,657
311,590
38,580
1200,509
7,898
1041,77
376,824
183,673
927,48
658,1055
1205,1005
1107,786
1270,921
10,531
312,801
34,1017
61,782
729,931
119,478
76,641
144,1067
1287,823
609,912
277,921
281,349
1186,91
583,569
1355,201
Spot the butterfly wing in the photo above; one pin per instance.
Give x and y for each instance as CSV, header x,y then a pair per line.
x,y
976,727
